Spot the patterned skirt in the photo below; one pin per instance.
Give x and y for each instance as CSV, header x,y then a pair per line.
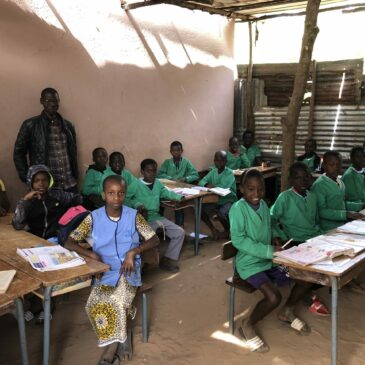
x,y
108,309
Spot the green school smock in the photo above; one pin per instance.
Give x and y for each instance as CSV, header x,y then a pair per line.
x,y
298,215
355,187
252,152
237,162
224,180
129,178
168,170
331,202
150,199
92,182
251,235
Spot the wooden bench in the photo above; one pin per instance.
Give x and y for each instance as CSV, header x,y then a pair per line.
x,y
234,282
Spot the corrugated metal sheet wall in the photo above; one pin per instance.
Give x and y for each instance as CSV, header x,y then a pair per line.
x,y
335,127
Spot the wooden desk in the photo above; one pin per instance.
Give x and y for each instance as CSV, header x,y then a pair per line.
x,y
11,239
328,275
194,201
267,172
21,285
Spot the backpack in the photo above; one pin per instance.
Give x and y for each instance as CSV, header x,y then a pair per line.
x,y
70,221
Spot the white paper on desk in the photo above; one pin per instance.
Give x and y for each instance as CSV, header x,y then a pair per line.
x,y
220,191
201,235
185,191
200,188
354,227
338,261
167,181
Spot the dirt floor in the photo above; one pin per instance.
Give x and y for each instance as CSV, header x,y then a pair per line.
x,y
188,324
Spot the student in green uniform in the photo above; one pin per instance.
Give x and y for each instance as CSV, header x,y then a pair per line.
x,y
251,150
236,159
220,176
354,177
147,198
295,216
310,157
330,191
92,184
178,168
251,235
117,167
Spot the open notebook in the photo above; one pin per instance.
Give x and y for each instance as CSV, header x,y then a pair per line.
x,y
6,277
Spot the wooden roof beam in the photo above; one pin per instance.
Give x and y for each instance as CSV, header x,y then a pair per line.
x,y
266,4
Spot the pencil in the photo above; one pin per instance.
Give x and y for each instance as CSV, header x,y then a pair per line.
x,y
286,243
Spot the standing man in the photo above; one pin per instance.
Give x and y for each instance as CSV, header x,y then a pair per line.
x,y
50,140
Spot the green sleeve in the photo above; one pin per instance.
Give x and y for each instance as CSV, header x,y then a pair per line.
x,y
206,179
276,212
353,200
245,162
88,183
192,174
354,206
166,194
241,239
325,212
162,172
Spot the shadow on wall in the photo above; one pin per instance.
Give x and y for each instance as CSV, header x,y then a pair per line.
x,y
122,107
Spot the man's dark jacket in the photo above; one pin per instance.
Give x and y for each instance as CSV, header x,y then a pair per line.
x,y
33,139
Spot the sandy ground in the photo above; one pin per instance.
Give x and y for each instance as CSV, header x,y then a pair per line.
x,y
188,324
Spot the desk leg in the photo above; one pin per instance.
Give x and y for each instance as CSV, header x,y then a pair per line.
x,y
21,328
334,320
198,213
47,324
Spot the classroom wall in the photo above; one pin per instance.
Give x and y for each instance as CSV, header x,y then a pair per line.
x,y
131,82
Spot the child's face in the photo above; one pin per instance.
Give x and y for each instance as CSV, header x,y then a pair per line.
x,y
358,160
248,140
100,158
220,161
149,173
40,182
114,195
332,166
117,164
309,147
176,152
301,180
253,190
233,145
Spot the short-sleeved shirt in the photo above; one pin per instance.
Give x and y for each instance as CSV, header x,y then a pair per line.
x,y
83,231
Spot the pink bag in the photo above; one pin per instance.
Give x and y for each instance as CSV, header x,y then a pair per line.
x,y
71,214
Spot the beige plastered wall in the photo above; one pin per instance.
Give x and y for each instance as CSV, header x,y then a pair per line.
x,y
130,82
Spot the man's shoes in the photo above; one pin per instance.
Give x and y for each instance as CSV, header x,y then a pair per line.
x,y
168,265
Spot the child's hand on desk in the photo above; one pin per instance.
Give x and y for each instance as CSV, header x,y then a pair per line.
x,y
278,248
94,256
209,186
355,215
128,263
183,179
276,241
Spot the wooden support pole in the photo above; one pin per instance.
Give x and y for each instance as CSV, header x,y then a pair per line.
x,y
312,100
249,102
289,122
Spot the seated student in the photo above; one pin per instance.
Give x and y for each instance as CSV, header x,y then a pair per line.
x,y
4,201
251,150
330,191
117,167
220,176
294,215
146,200
354,178
251,235
116,232
236,159
91,186
40,210
310,157
180,169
